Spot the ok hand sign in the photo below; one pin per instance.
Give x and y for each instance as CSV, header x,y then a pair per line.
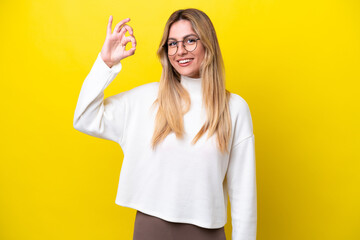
x,y
113,49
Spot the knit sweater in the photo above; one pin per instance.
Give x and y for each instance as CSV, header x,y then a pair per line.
x,y
178,181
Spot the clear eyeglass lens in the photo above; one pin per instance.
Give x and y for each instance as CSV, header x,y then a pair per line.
x,y
189,42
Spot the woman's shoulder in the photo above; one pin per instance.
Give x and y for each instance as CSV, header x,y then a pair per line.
x,y
146,88
143,92
238,104
240,112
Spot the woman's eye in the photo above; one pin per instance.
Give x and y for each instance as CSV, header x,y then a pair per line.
x,y
171,44
191,40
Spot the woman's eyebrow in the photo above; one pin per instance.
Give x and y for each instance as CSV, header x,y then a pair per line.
x,y
185,36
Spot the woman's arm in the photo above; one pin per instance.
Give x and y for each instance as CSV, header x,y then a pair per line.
x,y
241,184
241,175
94,115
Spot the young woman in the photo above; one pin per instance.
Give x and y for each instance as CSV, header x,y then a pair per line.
x,y
188,143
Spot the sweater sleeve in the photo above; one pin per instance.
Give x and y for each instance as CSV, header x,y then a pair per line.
x,y
241,176
241,184
94,115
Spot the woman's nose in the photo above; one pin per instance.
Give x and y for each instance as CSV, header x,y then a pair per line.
x,y
181,48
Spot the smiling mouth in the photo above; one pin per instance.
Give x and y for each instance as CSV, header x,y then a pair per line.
x,y
185,62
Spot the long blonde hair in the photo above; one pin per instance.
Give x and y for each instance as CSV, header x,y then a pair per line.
x,y
172,95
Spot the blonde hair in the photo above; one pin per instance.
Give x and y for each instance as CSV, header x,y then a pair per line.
x,y
172,95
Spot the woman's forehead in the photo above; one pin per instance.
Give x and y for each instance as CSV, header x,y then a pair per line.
x,y
181,29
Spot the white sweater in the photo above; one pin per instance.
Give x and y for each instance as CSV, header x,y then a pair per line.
x,y
178,181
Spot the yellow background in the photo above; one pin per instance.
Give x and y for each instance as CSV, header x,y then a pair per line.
x,y
296,63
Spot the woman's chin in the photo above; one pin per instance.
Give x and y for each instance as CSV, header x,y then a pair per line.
x,y
190,74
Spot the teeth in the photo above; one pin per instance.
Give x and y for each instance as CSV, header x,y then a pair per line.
x,y
184,61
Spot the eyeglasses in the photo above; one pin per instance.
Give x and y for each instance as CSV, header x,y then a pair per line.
x,y
189,44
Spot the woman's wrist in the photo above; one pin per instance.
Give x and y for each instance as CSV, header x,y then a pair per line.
x,y
108,64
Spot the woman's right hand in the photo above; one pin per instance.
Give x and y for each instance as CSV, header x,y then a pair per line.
x,y
114,47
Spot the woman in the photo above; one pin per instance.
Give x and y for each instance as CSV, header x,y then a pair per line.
x,y
188,143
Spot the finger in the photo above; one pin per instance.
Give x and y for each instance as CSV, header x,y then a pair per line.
x,y
117,27
130,30
133,43
129,39
108,31
126,28
129,52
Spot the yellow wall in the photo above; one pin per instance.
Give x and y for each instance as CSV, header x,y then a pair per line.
x,y
296,63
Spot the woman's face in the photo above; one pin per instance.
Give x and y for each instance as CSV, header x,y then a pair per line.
x,y
178,31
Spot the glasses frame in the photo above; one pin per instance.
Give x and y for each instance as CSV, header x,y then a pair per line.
x,y
177,46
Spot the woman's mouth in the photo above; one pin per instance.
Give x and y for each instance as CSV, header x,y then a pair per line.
x,y
185,62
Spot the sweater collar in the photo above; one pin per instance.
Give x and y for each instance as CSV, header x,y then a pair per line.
x,y
192,85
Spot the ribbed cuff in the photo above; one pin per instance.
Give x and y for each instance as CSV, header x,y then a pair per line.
x,y
114,69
